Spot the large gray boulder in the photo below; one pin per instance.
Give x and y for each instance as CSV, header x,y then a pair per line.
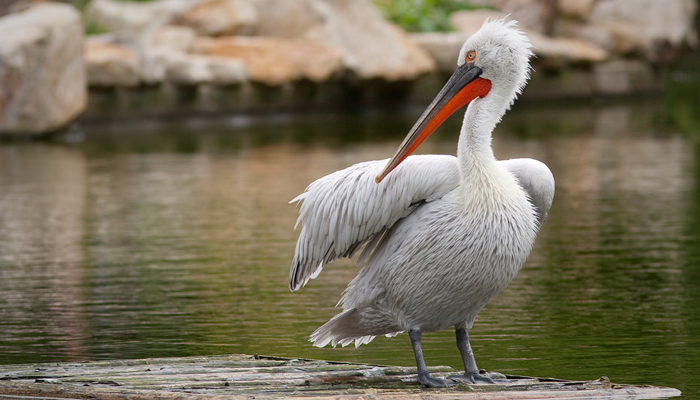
x,y
41,69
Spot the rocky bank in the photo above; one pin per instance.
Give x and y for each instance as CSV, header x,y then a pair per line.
x,y
203,51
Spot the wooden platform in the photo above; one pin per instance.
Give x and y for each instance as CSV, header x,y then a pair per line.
x,y
259,377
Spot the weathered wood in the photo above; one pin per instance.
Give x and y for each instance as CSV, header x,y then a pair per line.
x,y
259,377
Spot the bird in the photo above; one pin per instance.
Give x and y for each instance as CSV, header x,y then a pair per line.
x,y
438,236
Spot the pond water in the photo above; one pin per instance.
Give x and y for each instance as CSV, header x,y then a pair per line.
x,y
152,242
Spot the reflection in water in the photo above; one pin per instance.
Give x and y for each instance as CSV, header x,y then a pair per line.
x,y
42,299
179,243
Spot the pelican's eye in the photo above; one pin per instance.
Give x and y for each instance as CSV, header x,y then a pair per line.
x,y
471,56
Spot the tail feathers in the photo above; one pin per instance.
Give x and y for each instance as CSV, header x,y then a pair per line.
x,y
345,328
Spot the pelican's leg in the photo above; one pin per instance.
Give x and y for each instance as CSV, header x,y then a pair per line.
x,y
423,374
471,372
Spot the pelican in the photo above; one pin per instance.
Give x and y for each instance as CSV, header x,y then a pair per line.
x,y
440,235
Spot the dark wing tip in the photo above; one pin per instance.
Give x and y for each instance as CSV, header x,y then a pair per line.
x,y
293,278
297,275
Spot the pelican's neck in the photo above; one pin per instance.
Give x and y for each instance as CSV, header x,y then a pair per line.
x,y
474,150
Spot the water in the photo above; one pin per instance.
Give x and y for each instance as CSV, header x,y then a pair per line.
x,y
177,241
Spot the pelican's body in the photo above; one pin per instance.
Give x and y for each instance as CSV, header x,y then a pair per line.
x,y
443,235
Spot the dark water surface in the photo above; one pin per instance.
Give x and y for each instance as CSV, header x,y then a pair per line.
x,y
177,241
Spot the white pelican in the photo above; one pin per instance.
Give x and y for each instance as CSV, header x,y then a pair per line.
x,y
442,235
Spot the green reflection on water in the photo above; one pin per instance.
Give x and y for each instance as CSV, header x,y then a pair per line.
x,y
177,242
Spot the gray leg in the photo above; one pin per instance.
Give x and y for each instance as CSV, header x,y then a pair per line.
x,y
423,374
471,372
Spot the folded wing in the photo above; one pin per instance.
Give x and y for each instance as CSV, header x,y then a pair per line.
x,y
347,209
537,180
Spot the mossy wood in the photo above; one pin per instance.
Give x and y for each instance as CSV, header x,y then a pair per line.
x,y
260,377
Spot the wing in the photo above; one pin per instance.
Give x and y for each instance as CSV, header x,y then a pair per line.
x,y
537,180
346,209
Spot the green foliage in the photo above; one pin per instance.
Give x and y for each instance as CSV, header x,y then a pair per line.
x,y
423,15
80,4
682,95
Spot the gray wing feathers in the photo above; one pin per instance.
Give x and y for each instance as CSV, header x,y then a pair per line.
x,y
346,209
537,180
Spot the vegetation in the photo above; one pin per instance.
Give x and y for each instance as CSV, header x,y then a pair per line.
x,y
682,95
683,103
423,15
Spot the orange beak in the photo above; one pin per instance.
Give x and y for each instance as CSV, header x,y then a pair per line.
x,y
463,86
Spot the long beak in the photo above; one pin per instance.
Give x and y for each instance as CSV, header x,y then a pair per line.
x,y
462,87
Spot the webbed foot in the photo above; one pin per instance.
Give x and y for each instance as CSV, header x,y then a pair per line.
x,y
472,377
431,382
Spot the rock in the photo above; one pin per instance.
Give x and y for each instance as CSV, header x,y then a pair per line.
x,y
561,51
220,17
554,52
41,69
650,28
142,26
443,47
564,84
579,9
371,48
134,22
226,71
275,61
624,77
6,6
190,69
468,22
291,19
533,15
111,64
569,27
182,69
172,37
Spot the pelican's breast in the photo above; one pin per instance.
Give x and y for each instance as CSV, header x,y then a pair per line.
x,y
464,249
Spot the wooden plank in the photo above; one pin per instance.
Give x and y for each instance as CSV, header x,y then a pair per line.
x,y
247,377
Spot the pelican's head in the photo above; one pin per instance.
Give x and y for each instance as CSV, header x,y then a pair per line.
x,y
502,52
494,61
